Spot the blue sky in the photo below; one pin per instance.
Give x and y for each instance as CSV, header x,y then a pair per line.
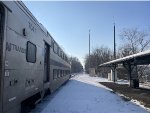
x,y
69,22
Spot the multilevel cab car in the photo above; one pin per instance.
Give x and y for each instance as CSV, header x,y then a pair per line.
x,y
31,62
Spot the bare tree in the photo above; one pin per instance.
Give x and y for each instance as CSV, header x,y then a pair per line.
x,y
76,65
124,50
134,41
97,57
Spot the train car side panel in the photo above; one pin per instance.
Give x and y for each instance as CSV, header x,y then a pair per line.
x,y
23,78
2,53
30,60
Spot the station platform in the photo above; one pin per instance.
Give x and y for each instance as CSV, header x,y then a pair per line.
x,y
84,94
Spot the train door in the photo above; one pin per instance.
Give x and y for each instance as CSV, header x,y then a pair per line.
x,y
1,51
46,63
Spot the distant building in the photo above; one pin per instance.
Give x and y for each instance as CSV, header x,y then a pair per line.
x,y
92,71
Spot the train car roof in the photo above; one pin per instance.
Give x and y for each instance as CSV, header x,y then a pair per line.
x,y
141,58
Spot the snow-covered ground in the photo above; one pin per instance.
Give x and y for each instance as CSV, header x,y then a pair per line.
x,y
83,94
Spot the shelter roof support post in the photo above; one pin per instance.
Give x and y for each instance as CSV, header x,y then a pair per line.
x,y
114,71
113,68
129,69
134,82
130,73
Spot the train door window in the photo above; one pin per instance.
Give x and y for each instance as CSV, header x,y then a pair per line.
x,y
46,62
31,52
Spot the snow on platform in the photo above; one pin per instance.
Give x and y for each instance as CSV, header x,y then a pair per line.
x,y
83,94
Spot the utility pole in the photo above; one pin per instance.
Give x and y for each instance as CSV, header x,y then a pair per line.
x,y
114,43
114,70
89,53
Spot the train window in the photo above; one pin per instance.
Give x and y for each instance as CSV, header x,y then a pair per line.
x,y
59,53
55,48
66,72
54,74
62,55
31,52
66,59
58,73
52,43
62,73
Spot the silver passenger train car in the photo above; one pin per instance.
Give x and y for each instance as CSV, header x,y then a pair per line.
x,y
31,62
